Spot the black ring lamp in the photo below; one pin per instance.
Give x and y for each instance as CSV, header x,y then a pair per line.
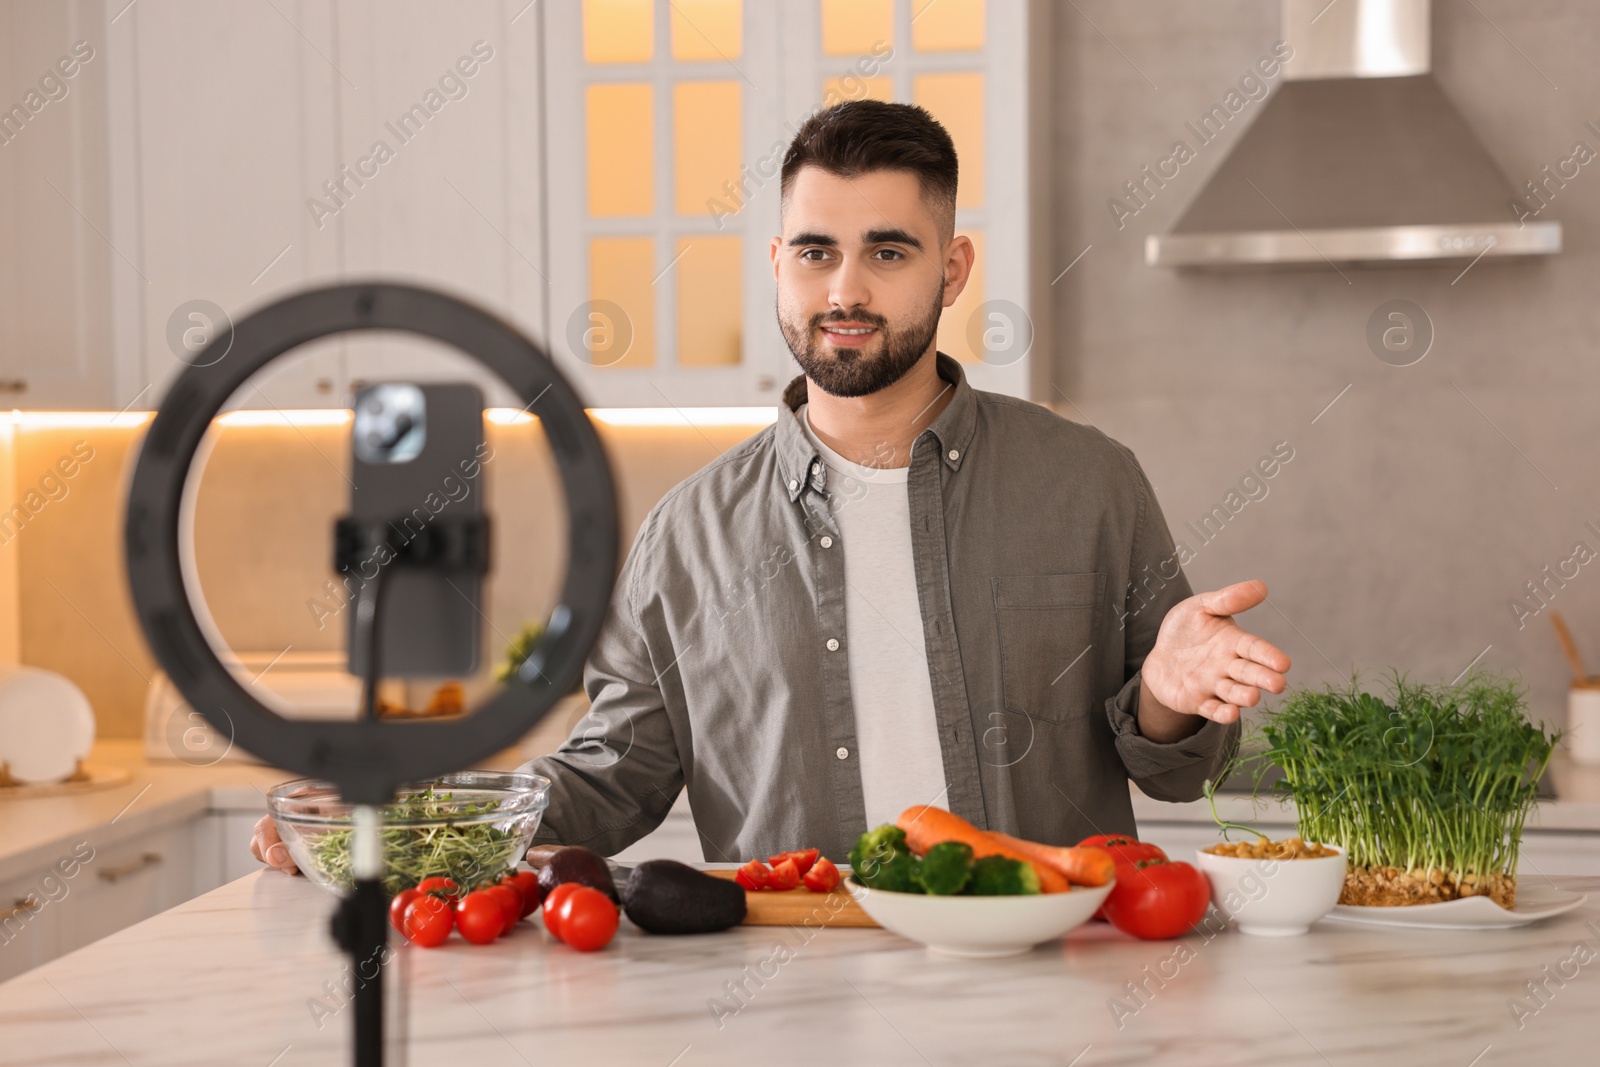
x,y
369,758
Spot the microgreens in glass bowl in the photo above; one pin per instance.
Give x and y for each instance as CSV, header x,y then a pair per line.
x,y
471,826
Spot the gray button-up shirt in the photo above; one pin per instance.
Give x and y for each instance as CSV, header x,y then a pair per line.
x,y
1043,568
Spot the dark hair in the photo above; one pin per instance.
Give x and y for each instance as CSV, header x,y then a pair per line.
x,y
859,136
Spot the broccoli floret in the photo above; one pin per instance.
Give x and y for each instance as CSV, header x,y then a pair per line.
x,y
1001,876
881,860
945,868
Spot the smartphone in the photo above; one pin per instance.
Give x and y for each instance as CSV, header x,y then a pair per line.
x,y
417,458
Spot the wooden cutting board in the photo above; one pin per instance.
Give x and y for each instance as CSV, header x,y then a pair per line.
x,y
799,907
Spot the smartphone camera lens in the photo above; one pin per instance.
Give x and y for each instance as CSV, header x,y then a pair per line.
x,y
390,423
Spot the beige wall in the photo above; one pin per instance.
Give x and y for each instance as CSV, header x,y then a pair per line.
x,y
1406,522
267,500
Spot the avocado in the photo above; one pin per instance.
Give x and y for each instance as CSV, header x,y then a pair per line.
x,y
668,897
575,863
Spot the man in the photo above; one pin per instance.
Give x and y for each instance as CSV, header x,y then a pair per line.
x,y
905,591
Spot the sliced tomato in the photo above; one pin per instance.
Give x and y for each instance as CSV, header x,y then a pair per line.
x,y
753,875
823,877
803,859
784,876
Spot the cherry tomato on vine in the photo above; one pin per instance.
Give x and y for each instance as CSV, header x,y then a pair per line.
x,y
588,919
479,917
428,921
552,906
510,902
397,907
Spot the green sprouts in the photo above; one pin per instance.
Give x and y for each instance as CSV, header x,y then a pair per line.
x,y
1436,777
470,851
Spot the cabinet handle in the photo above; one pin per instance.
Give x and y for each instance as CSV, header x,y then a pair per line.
x,y
116,874
22,906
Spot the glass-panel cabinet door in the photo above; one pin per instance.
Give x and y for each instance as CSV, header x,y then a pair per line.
x,y
659,215
668,125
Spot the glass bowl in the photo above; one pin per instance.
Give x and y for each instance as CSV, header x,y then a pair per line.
x,y
470,826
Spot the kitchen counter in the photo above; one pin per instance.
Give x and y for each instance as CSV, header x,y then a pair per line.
x,y
36,832
242,975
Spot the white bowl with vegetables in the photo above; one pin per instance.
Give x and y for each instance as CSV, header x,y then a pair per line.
x,y
471,826
960,905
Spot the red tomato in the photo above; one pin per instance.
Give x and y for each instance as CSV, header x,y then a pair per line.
x,y
1160,899
480,917
427,921
1125,851
588,919
803,859
552,905
753,875
823,877
510,902
526,883
445,887
397,907
784,876
1124,848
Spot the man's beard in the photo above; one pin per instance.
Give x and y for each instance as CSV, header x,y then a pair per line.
x,y
849,371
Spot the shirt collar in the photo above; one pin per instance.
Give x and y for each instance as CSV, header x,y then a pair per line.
x,y
799,463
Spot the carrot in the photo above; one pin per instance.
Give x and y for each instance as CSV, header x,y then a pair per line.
x,y
1080,866
926,826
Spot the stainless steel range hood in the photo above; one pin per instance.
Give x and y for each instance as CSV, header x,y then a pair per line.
x,y
1358,157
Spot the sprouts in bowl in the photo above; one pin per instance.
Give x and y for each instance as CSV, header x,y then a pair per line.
x,y
471,826
1426,791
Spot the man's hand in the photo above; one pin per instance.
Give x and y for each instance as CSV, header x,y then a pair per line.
x,y
1205,664
268,847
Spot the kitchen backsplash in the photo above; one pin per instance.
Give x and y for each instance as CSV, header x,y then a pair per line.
x,y
263,527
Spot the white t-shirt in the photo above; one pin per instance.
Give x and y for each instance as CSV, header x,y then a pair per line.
x,y
897,733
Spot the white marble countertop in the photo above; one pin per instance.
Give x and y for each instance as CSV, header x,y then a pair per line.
x,y
241,976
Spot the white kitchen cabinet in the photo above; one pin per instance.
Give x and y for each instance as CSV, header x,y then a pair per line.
x,y
224,120
56,266
126,879
130,880
29,924
249,167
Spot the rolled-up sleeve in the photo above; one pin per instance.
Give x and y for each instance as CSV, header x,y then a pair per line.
x,y
615,778
1174,770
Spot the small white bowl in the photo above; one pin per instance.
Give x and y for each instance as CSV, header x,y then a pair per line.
x,y
979,927
1273,898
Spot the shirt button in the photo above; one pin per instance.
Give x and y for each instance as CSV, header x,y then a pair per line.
x,y
793,485
816,468
833,644
826,542
842,752
955,454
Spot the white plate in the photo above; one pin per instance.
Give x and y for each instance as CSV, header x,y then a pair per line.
x,y
1535,901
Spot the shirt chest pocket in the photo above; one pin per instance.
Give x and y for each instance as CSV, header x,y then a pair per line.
x,y
1047,625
